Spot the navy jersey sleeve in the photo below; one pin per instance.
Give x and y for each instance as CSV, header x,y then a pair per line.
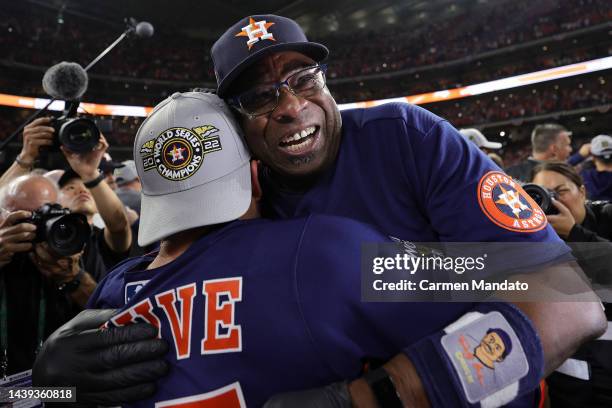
x,y
344,329
466,197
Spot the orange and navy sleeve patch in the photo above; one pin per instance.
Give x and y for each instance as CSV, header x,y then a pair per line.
x,y
507,205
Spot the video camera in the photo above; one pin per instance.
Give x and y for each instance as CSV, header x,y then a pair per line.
x,y
66,233
79,135
543,197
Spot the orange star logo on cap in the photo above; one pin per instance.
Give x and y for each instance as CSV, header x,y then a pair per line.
x,y
256,31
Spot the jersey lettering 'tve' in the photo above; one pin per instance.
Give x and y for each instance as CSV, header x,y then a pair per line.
x,y
221,334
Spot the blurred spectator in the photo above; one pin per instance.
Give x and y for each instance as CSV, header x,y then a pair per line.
x,y
108,167
585,380
598,176
40,289
549,142
129,186
475,136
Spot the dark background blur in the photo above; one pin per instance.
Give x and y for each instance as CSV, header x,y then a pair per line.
x,y
380,49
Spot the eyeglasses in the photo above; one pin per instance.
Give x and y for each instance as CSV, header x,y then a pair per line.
x,y
263,99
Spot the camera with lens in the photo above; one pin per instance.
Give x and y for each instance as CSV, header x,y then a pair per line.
x,y
66,233
79,135
543,197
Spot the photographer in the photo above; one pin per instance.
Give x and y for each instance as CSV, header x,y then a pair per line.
x,y
39,290
83,190
586,379
88,193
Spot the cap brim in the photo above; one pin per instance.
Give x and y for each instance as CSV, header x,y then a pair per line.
x,y
68,175
605,154
492,145
110,166
221,200
120,182
316,51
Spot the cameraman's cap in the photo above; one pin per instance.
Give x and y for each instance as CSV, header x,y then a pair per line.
x,y
254,37
68,175
193,166
475,136
107,165
601,146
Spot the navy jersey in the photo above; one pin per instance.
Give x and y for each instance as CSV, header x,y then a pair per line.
x,y
260,307
598,184
412,175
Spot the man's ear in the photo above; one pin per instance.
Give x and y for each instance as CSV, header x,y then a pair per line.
x,y
255,186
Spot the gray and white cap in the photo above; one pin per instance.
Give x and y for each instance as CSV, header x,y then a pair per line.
x,y
601,146
475,136
193,165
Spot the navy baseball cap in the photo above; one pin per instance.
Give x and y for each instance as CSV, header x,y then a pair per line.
x,y
253,37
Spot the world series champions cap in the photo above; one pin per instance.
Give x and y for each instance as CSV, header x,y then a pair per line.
x,y
193,166
254,37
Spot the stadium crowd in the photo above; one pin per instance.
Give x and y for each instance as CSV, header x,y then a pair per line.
x,y
528,102
106,193
370,52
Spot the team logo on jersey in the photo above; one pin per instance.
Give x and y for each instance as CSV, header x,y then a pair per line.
x,y
505,203
132,288
256,31
177,153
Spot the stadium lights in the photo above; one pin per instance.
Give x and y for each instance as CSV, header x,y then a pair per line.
x,y
532,78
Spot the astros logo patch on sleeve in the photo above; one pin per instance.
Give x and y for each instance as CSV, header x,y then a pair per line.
x,y
507,205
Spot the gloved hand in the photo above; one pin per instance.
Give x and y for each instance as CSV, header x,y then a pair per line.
x,y
107,367
335,395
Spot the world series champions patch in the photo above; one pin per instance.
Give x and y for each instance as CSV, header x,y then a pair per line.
x,y
507,205
177,153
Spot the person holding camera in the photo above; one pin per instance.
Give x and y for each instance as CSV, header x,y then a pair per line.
x,y
39,289
36,134
585,380
578,220
83,190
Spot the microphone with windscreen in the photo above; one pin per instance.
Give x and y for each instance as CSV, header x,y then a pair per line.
x,y
68,81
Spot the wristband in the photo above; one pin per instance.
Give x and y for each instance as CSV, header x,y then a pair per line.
x,y
72,285
95,182
487,358
383,388
24,164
